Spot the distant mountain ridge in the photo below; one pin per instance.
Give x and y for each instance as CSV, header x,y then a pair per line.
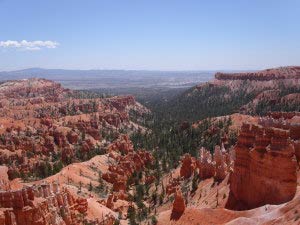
x,y
256,93
62,73
288,72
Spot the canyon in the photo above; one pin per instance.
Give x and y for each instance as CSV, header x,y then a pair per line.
x,y
75,157
261,187
41,123
256,181
46,132
251,93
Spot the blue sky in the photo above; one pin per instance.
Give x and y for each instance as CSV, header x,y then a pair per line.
x,y
149,34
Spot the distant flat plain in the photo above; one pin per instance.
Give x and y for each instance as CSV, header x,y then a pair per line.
x,y
113,79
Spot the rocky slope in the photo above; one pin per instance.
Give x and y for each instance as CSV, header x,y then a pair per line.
x,y
292,72
96,191
42,124
67,157
255,93
263,181
265,166
42,204
45,133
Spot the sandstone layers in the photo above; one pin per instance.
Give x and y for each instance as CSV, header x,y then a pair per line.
x,y
260,185
43,122
292,72
178,205
262,170
257,92
265,169
217,165
127,164
44,127
43,204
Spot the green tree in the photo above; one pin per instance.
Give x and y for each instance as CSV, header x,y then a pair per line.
x,y
90,187
131,214
153,220
195,182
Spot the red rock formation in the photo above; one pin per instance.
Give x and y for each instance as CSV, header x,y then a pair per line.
x,y
59,138
122,144
286,121
81,205
94,133
72,137
40,119
47,121
283,115
42,204
178,205
37,90
120,103
264,88
109,201
87,146
126,165
120,184
221,168
264,75
188,166
42,123
264,169
67,154
205,164
218,167
149,179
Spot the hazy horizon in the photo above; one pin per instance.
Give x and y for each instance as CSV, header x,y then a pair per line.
x,y
129,70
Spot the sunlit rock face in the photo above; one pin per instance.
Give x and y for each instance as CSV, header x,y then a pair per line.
x,y
207,165
265,166
41,121
127,164
42,204
178,205
188,166
292,72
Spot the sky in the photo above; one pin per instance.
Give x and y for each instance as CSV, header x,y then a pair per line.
x,y
149,34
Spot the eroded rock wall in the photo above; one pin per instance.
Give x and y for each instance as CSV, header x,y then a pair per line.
x,y
42,204
265,167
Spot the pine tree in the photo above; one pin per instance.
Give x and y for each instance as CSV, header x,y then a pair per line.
x,y
153,220
195,182
90,187
131,214
80,186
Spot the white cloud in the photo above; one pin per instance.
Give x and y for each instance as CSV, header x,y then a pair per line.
x,y
28,45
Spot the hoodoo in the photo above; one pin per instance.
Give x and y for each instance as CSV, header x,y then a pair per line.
x,y
265,167
178,205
